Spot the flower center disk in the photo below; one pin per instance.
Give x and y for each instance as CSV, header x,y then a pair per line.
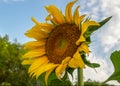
x,y
61,42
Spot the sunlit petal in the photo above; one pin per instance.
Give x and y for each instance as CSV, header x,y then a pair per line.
x,y
38,62
47,74
76,16
35,53
42,26
81,18
68,11
76,61
34,20
61,68
43,68
55,12
34,44
87,24
36,34
81,39
66,60
27,62
84,47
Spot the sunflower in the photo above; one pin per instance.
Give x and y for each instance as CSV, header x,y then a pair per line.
x,y
58,42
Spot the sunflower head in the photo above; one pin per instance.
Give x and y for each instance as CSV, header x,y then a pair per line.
x,y
58,43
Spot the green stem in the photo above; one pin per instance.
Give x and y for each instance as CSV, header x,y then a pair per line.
x,y
80,77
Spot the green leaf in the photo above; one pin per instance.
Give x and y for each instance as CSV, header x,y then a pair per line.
x,y
91,29
41,79
51,77
88,63
54,81
115,58
65,77
88,40
70,71
57,82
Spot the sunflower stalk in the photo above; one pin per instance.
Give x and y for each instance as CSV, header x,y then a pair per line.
x,y
80,77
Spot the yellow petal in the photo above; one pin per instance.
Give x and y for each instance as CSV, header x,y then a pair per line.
x,y
81,18
47,74
27,62
84,28
43,68
76,61
48,17
68,11
81,39
87,24
36,34
52,19
76,16
35,53
44,26
57,15
84,47
34,20
66,60
37,63
33,73
59,70
41,25
34,44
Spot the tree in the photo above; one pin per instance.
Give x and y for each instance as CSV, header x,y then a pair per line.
x,y
11,71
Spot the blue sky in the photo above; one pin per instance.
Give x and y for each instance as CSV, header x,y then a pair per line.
x,y
15,20
15,16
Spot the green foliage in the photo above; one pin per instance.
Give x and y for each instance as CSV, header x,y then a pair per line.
x,y
70,71
54,81
115,58
88,63
91,29
12,73
89,82
51,77
57,82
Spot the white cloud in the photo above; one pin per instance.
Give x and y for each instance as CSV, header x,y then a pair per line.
x,y
110,37
101,73
107,39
